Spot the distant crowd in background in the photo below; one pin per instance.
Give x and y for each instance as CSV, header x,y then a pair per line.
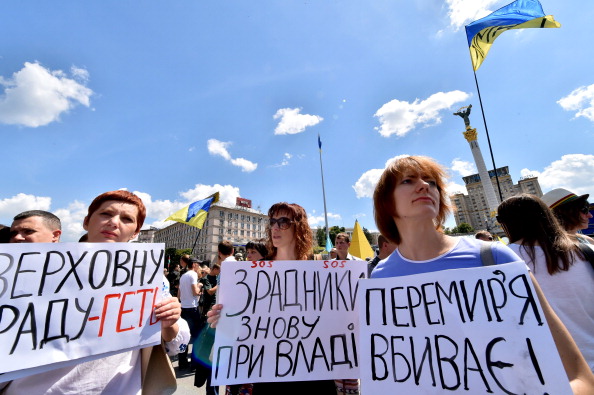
x,y
410,207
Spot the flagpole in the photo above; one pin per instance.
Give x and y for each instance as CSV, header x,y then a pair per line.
x,y
487,133
323,190
196,241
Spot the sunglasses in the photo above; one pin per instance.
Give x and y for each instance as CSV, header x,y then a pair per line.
x,y
282,222
585,209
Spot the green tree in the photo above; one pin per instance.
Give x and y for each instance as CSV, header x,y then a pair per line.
x,y
465,228
334,231
318,250
321,236
173,255
367,235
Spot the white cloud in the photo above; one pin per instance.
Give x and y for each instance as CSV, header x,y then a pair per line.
x,y
216,147
35,96
219,148
12,206
246,165
292,122
73,214
453,188
285,161
227,193
366,183
462,167
400,117
572,172
580,100
320,220
529,173
461,12
72,218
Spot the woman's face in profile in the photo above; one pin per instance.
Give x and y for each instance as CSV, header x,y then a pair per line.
x,y
114,221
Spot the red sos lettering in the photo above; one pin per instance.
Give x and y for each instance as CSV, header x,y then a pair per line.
x,y
261,264
333,264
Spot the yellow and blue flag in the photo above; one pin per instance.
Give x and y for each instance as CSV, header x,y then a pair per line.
x,y
194,214
520,14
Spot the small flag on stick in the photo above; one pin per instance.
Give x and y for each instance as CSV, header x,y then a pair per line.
x,y
194,214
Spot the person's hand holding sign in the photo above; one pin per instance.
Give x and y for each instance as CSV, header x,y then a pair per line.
x,y
214,314
168,311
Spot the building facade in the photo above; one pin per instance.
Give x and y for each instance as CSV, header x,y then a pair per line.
x,y
239,224
473,208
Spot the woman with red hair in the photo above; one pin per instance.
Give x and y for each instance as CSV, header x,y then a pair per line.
x,y
116,217
289,239
410,207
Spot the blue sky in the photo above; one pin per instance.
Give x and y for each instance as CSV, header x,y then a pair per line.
x,y
175,100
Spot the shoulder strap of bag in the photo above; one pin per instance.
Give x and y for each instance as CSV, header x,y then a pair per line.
x,y
487,254
588,253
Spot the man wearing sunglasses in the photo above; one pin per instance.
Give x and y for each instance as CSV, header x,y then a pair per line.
x,y
342,244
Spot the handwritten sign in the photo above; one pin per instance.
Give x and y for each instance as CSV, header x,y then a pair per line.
x,y
287,321
470,331
62,302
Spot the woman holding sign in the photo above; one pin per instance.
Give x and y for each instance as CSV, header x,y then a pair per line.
x,y
410,207
289,239
116,216
559,263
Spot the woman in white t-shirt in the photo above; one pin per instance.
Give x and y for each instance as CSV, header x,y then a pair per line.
x,y
561,268
116,216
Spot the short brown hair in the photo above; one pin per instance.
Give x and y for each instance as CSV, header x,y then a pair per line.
x,y
384,206
226,247
344,236
120,196
303,234
381,240
258,245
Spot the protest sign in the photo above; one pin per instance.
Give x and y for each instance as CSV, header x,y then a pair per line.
x,y
475,331
287,321
63,303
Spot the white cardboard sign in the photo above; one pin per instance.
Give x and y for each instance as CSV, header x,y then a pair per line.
x,y
470,331
287,321
63,303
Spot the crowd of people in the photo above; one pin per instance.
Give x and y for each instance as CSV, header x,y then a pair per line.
x,y
410,207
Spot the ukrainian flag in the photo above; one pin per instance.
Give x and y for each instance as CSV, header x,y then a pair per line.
x,y
194,214
520,14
